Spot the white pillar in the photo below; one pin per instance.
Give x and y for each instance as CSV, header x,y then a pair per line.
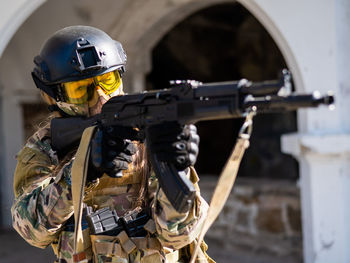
x,y
12,14
11,142
325,184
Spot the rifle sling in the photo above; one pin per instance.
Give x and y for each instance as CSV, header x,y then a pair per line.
x,y
226,181
79,173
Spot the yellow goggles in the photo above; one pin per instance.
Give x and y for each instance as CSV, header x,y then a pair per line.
x,y
82,91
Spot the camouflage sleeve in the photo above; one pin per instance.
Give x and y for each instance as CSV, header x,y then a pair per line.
x,y
177,230
43,198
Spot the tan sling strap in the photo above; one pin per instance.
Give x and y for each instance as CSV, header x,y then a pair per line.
x,y
226,180
79,172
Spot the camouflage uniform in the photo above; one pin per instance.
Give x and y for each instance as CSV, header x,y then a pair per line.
x,y
44,204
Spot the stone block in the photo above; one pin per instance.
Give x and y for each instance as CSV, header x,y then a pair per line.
x,y
294,218
242,218
270,220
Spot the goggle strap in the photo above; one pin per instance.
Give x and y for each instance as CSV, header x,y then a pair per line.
x,y
53,108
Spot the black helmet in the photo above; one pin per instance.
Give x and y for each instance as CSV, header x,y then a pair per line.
x,y
75,53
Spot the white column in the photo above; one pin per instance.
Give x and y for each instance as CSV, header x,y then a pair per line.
x,y
325,184
11,142
12,14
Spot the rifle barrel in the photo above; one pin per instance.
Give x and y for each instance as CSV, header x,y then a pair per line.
x,y
291,102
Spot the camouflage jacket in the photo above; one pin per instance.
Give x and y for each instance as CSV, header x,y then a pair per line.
x,y
44,204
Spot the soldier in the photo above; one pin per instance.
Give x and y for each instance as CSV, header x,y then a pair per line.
x,y
79,69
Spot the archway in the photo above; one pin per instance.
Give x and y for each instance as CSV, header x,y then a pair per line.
x,y
225,42
221,43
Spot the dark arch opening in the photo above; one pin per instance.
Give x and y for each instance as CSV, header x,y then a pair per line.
x,y
219,43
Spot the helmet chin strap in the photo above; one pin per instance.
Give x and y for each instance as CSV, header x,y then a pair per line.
x,y
54,107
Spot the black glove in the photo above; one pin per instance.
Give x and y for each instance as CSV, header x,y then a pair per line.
x,y
111,151
174,143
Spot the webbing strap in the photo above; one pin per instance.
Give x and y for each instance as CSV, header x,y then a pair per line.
x,y
79,172
226,180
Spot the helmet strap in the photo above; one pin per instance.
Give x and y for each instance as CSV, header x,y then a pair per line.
x,y
54,107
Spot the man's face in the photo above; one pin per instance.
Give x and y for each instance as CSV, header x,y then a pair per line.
x,y
86,97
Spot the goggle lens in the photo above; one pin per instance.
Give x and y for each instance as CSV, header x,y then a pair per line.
x,y
109,82
78,92
82,91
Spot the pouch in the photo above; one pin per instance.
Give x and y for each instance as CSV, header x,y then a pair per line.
x,y
108,249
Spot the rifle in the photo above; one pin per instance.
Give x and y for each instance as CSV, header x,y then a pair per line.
x,y
187,102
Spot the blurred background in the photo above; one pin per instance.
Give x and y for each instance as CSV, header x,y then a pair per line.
x,y
290,201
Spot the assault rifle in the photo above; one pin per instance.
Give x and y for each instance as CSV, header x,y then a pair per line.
x,y
187,102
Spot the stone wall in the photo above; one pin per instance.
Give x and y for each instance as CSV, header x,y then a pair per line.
x,y
260,222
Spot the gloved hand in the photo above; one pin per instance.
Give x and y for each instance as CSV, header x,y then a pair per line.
x,y
174,143
111,151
